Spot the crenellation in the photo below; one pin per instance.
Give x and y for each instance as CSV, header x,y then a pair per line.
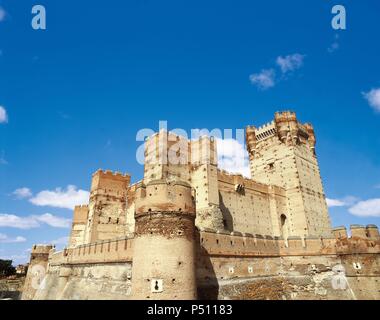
x,y
340,232
372,231
358,231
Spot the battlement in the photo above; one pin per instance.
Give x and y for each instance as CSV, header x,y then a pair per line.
x,y
340,232
359,231
370,232
115,250
109,181
224,243
286,115
111,174
265,127
80,206
220,243
266,131
309,128
166,148
42,249
81,214
286,127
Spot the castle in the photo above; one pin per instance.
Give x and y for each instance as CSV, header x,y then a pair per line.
x,y
189,230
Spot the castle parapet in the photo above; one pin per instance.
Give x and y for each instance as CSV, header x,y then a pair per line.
x,y
369,232
78,228
80,214
286,122
373,231
358,231
110,173
109,183
41,249
340,232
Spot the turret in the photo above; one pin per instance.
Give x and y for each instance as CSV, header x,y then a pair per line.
x,y
282,153
78,227
311,136
250,136
286,126
107,206
110,183
38,265
164,258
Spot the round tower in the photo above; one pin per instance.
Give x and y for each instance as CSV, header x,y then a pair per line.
x,y
164,247
286,126
38,265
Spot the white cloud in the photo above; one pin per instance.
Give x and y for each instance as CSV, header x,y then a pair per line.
x,y
35,221
343,202
233,157
3,14
61,198
3,115
5,239
290,63
54,221
22,193
335,203
263,80
367,208
13,221
267,77
373,98
357,207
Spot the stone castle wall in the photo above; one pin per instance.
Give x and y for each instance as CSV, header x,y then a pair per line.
x,y
233,266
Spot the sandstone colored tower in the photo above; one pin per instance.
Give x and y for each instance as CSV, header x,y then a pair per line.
x,y
283,153
107,212
36,271
78,227
164,246
172,157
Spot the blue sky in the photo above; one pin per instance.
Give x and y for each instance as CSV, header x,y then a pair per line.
x,y
74,95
